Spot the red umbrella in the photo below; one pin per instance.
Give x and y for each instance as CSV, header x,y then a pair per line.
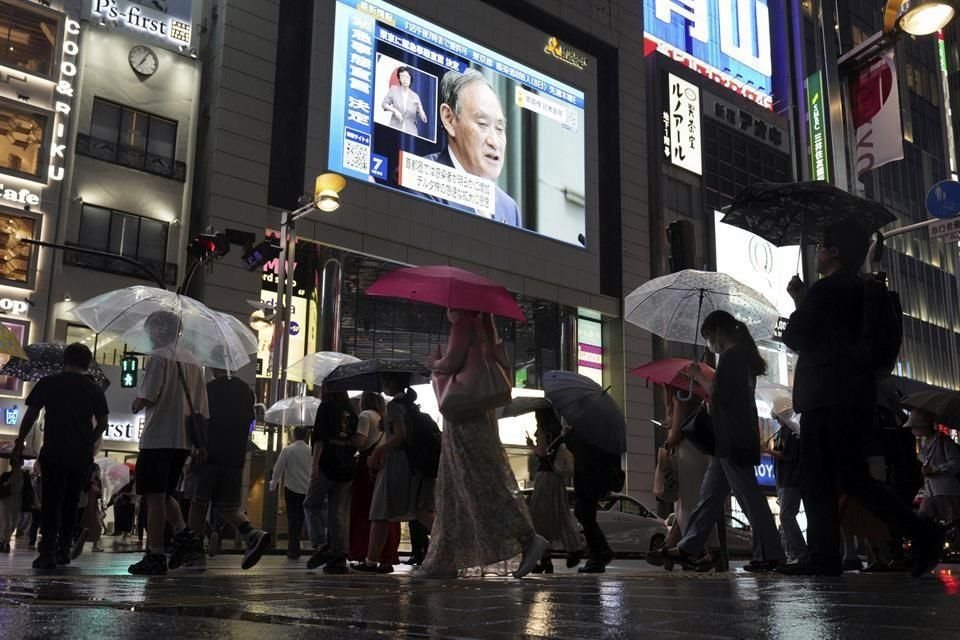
x,y
668,372
449,287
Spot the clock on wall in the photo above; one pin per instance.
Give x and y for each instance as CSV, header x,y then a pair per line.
x,y
143,61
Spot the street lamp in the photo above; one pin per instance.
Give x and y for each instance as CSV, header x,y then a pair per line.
x,y
918,17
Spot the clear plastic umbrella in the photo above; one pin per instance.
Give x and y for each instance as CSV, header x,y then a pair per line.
x,y
159,322
299,411
317,366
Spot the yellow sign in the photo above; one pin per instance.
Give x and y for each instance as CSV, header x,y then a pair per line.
x,y
567,54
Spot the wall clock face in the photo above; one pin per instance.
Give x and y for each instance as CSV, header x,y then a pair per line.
x,y
143,61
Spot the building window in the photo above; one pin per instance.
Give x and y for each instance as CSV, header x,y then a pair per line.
x,y
28,39
15,257
22,140
133,139
10,386
124,234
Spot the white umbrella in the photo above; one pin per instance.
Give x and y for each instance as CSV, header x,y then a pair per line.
x,y
317,366
165,323
674,306
299,411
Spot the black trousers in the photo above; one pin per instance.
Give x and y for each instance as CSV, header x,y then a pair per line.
x,y
832,463
588,491
294,502
58,504
419,539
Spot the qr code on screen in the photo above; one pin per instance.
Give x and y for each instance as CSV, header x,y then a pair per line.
x,y
356,156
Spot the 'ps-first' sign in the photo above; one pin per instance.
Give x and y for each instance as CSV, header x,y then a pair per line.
x,y
729,40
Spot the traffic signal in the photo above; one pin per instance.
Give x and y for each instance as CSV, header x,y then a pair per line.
x,y
681,238
261,254
209,245
128,372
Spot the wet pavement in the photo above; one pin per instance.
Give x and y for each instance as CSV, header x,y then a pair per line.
x,y
95,598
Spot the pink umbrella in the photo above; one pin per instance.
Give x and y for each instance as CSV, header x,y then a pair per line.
x,y
449,287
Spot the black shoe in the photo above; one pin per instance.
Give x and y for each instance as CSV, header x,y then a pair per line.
x,y
809,569
182,544
45,562
414,561
363,567
63,557
927,548
574,558
853,564
657,558
761,566
384,568
593,566
257,543
322,556
337,566
153,564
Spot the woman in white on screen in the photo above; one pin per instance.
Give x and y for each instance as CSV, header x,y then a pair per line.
x,y
404,104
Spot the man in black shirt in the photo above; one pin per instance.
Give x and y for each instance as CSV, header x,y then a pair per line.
x,y
837,401
219,478
72,401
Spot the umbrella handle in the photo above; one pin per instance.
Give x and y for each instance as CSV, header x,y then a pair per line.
x,y
684,396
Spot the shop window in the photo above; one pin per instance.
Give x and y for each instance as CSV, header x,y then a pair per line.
x,y
28,39
124,234
133,139
15,256
10,386
22,140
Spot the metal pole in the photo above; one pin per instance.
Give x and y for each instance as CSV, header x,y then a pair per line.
x,y
835,94
288,297
278,325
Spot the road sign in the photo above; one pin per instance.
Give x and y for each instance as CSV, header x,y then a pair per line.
x,y
128,373
943,200
948,230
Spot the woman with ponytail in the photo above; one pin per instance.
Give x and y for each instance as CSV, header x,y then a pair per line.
x,y
733,411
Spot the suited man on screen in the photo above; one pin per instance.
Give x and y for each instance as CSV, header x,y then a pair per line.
x,y
476,127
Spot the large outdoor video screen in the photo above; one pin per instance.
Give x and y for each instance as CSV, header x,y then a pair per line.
x,y
422,110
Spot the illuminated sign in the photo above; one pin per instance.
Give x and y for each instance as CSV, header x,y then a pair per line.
x,y
727,41
145,20
13,307
590,345
63,98
682,125
817,126
19,196
766,477
124,430
561,52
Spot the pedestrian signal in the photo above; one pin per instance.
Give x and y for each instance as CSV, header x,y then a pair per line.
x,y
128,373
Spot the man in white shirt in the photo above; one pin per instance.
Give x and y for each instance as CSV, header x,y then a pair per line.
x,y
293,468
165,442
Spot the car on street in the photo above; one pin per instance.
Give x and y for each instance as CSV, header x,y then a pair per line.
x,y
630,526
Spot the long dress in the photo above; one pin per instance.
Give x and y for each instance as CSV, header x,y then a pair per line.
x,y
550,510
360,499
481,518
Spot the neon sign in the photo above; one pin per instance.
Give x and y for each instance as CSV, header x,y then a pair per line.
x,y
139,18
727,41
63,98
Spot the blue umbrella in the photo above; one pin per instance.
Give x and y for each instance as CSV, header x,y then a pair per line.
x,y
588,408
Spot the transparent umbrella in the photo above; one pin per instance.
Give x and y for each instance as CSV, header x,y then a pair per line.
x,y
164,323
299,411
317,366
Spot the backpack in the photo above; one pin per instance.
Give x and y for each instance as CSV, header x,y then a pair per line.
x,y
338,458
423,440
881,327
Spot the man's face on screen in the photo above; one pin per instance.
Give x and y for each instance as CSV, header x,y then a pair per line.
x,y
478,136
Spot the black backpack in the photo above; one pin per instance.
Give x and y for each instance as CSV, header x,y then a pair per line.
x,y
423,440
881,327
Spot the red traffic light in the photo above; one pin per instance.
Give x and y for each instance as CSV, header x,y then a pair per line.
x,y
210,245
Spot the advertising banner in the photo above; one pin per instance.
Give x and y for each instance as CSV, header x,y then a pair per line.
x,y
421,110
876,115
683,122
817,128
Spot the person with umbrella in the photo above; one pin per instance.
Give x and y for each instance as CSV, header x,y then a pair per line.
x,y
941,465
733,410
165,442
71,401
835,393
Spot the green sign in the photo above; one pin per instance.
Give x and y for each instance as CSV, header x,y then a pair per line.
x,y
128,373
817,126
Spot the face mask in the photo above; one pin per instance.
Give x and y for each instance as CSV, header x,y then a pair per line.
x,y
713,347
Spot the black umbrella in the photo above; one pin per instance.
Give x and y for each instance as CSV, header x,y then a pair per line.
x,y
46,359
944,405
795,212
367,375
588,408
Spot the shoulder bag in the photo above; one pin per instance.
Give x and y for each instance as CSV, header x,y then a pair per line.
x,y
481,385
698,429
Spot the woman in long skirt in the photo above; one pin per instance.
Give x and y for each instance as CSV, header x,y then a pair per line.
x,y
481,518
549,507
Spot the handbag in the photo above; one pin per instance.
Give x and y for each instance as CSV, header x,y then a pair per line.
x,y
481,385
698,429
666,484
563,462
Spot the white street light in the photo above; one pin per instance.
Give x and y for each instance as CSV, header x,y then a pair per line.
x,y
326,192
918,17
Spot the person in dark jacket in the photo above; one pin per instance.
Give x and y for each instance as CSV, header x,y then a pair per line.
x,y
837,400
733,410
786,470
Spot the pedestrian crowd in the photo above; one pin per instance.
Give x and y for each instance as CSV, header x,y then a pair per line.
x,y
373,464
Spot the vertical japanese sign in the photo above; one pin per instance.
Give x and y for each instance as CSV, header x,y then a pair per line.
x,y
876,115
817,126
683,112
357,110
